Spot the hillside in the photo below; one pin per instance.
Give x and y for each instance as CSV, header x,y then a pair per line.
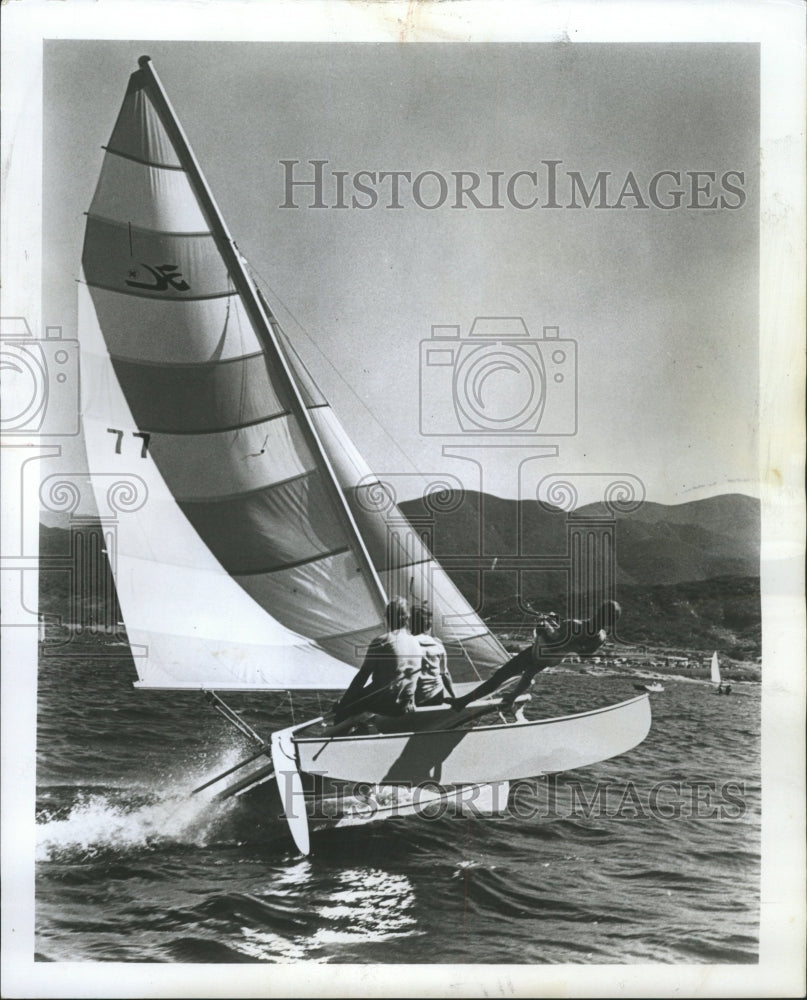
x,y
687,576
656,544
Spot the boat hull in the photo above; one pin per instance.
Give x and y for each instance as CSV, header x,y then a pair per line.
x,y
456,756
335,807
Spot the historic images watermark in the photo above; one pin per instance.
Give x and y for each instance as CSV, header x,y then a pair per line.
x,y
40,379
500,379
39,408
498,384
547,185
552,797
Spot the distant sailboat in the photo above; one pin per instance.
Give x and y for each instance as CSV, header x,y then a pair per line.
x,y
264,550
715,676
715,666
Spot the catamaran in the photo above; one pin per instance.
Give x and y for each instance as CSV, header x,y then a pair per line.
x,y
259,551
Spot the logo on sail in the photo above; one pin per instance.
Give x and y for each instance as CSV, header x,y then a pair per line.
x,y
165,276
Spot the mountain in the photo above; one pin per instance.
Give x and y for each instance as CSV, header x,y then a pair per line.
x,y
686,575
655,544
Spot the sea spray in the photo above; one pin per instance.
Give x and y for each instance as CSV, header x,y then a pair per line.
x,y
123,819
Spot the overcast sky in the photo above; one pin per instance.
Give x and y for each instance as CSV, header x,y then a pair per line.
x,y
662,305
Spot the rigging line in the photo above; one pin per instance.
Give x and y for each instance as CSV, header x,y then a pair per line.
x,y
467,656
242,389
335,370
232,716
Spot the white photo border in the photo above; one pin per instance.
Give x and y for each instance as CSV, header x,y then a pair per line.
x,y
778,27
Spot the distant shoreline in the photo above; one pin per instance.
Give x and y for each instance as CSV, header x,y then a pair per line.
x,y
654,661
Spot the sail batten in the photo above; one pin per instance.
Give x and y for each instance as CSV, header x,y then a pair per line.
x,y
256,541
139,159
263,321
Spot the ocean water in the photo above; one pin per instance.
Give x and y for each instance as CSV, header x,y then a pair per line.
x,y
650,857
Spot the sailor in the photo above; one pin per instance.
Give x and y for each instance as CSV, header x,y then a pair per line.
x,y
553,639
434,682
391,666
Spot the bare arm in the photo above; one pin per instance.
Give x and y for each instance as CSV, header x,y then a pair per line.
x,y
448,684
406,695
357,684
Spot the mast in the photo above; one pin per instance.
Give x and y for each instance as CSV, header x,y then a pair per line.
x,y
264,321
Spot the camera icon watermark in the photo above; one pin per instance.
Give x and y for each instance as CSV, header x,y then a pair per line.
x,y
499,380
40,381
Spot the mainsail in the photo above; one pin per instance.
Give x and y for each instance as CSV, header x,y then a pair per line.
x,y
259,558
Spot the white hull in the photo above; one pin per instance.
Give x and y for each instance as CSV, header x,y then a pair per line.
x,y
458,756
443,759
392,801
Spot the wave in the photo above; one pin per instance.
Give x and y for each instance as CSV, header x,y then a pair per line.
x,y
305,915
101,822
98,819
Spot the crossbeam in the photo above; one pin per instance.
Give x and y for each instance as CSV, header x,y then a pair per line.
x,y
264,751
254,778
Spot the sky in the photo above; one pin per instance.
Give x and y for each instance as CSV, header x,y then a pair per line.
x,y
661,305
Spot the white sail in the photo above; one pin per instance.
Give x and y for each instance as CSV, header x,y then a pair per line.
x,y
404,562
715,666
255,560
197,627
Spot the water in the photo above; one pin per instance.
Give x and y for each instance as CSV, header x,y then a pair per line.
x,y
130,868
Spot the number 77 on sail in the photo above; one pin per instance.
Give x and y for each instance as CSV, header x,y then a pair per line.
x,y
259,561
